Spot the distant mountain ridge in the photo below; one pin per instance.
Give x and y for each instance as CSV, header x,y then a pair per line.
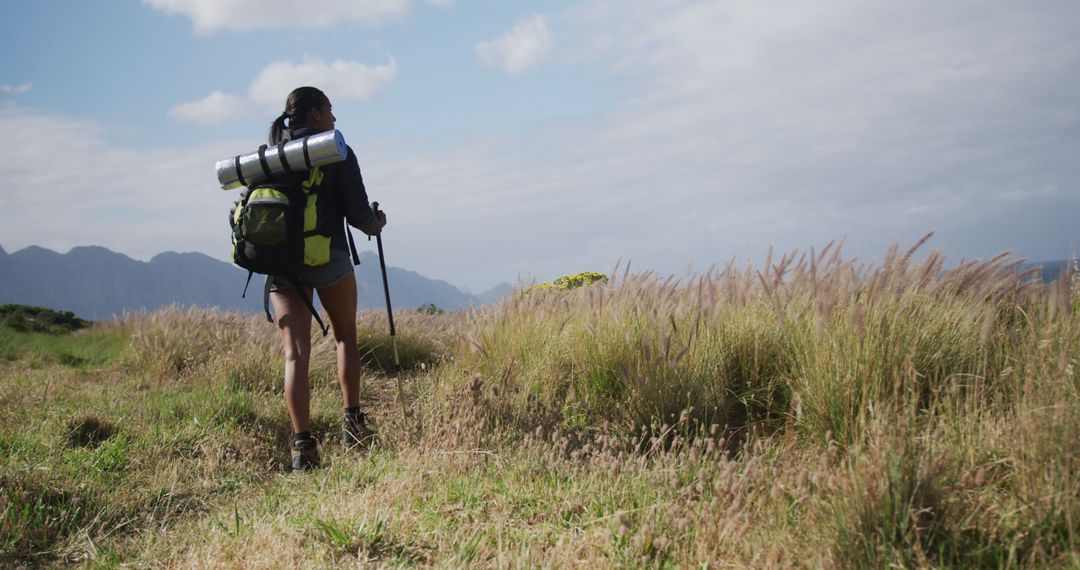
x,y
96,283
1051,270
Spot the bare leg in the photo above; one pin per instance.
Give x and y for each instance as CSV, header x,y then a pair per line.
x,y
339,300
294,321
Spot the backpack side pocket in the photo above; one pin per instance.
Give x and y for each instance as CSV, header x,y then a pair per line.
x,y
264,220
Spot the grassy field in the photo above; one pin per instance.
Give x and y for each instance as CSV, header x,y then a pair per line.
x,y
813,413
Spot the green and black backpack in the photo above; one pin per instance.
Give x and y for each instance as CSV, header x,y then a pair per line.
x,y
277,230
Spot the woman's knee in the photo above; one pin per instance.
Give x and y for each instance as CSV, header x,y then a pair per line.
x,y
297,354
345,336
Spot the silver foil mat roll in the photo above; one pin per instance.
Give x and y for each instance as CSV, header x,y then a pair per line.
x,y
322,149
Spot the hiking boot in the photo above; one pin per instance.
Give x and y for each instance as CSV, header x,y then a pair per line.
x,y
305,456
355,433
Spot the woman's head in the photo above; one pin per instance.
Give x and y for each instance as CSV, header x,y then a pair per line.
x,y
304,107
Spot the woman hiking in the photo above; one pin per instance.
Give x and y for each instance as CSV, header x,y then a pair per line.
x,y
341,197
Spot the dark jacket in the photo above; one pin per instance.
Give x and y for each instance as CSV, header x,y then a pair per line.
x,y
342,197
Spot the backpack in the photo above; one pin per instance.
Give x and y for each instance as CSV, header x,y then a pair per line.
x,y
276,231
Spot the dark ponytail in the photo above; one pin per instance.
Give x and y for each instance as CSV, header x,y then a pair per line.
x,y
298,107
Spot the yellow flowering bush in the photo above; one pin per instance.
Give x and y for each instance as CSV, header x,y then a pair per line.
x,y
567,282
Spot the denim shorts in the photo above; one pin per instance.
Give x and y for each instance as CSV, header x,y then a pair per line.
x,y
339,267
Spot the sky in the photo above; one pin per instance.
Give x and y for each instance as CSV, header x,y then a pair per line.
x,y
515,140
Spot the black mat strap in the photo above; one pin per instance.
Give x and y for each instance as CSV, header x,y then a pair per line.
x,y
239,172
262,162
281,156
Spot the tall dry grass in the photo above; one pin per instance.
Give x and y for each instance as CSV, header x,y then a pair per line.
x,y
948,395
178,343
815,412
814,341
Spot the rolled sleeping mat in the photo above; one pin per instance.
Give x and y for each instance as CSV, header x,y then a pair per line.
x,y
298,155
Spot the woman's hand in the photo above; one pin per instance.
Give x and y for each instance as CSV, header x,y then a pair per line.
x,y
379,214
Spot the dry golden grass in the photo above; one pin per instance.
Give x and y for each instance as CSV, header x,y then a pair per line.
x,y
815,413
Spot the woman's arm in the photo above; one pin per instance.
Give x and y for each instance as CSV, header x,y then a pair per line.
x,y
354,199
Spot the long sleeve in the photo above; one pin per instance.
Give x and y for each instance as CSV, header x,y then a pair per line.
x,y
353,197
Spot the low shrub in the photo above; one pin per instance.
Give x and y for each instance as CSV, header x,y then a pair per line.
x,y
25,318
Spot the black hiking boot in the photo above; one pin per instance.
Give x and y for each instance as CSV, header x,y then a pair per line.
x,y
305,455
355,433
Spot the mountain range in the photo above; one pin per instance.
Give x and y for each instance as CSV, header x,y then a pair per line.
x,y
1051,271
97,283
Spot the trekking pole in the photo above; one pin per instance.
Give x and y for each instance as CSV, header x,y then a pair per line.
x,y
390,317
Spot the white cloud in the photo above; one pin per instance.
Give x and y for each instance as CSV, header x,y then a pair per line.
x,y
7,91
745,126
523,47
342,81
210,15
136,201
214,109
795,123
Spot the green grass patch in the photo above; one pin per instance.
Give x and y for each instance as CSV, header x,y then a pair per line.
x,y
90,348
35,515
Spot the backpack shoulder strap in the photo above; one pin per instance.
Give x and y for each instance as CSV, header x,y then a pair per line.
x,y
266,299
352,246
246,283
295,282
